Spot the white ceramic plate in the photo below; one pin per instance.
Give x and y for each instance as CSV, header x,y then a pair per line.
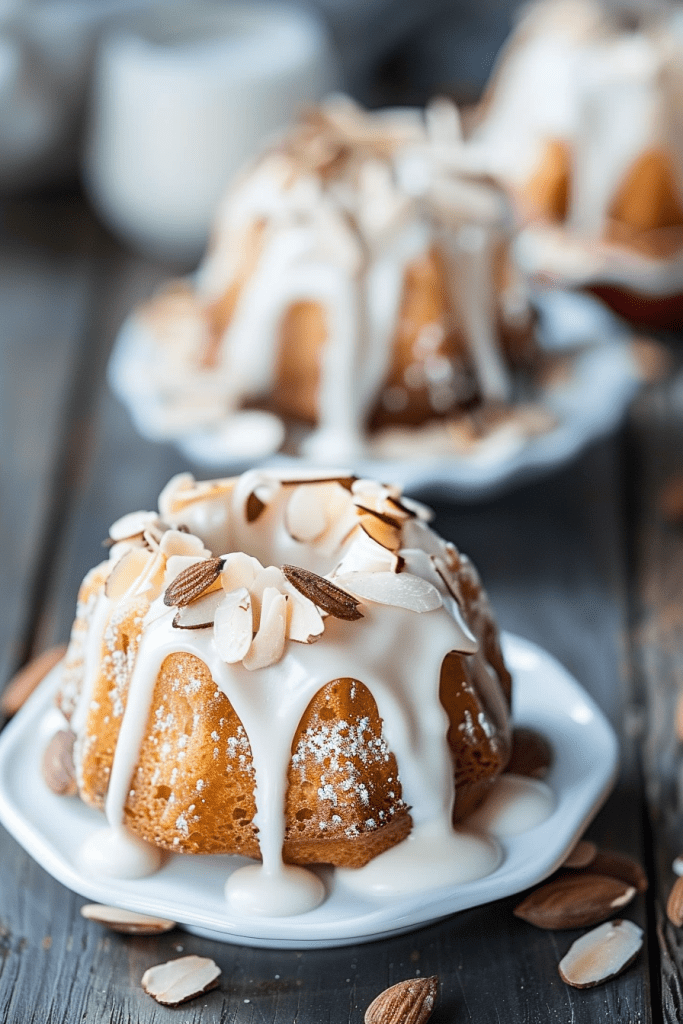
x,y
190,889
588,405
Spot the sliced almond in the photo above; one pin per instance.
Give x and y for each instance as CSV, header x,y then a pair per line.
x,y
306,513
674,905
321,592
304,622
233,628
201,613
192,582
182,542
574,900
22,685
402,590
132,525
127,570
581,855
531,754
269,643
58,763
408,1002
177,981
381,528
126,921
621,866
239,570
601,954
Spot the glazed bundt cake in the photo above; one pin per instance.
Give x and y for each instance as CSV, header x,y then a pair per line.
x,y
292,669
354,283
582,124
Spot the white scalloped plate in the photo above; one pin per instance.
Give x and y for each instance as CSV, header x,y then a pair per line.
x,y
588,405
190,889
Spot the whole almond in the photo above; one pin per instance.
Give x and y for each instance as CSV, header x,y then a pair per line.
x,y
619,865
408,1002
674,905
574,900
22,685
178,980
126,921
58,763
601,954
192,582
531,754
321,592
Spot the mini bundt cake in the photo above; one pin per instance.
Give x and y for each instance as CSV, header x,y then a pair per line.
x,y
354,283
582,124
293,669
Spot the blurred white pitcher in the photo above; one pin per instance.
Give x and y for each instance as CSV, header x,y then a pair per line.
x,y
181,98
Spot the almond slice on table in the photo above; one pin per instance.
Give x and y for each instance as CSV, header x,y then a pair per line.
x,y
621,866
58,763
22,685
126,921
408,1002
177,981
601,954
581,855
574,900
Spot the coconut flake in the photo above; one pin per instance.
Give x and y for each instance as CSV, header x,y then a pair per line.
x,y
233,626
402,590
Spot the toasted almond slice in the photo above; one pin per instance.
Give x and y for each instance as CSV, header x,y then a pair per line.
x,y
402,590
201,613
581,855
233,627
126,571
306,513
321,592
58,763
192,582
269,643
531,753
177,981
408,1002
574,900
601,954
383,529
132,525
22,685
126,921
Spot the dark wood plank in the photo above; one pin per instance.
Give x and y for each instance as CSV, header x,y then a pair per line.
x,y
657,655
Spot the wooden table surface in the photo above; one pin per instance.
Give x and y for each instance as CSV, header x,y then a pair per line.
x,y
580,562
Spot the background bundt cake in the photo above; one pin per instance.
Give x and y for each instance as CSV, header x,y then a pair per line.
x,y
355,281
289,669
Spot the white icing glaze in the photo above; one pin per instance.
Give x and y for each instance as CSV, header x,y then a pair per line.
x,y
514,805
343,239
270,691
116,853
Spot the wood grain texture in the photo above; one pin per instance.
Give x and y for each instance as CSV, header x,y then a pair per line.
x,y
552,555
656,456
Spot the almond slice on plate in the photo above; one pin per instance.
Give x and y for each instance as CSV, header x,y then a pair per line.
x,y
601,954
22,685
177,981
58,763
408,1002
126,921
574,900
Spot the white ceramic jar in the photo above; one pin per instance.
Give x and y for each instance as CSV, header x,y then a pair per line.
x,y
182,96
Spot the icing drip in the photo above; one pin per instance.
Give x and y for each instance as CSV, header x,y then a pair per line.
x,y
116,853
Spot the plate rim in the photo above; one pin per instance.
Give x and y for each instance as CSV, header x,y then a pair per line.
x,y
415,912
